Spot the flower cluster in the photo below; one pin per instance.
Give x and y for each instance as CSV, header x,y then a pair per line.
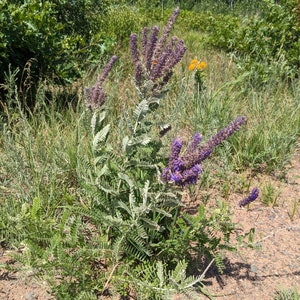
x,y
199,66
184,170
158,56
196,64
176,170
251,197
95,95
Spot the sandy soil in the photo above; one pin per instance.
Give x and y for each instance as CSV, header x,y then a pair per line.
x,y
20,286
259,273
250,273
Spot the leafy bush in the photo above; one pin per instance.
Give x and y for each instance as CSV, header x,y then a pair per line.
x,y
55,35
192,20
120,21
269,41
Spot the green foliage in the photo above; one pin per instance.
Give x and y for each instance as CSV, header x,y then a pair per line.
x,y
55,35
270,196
81,193
267,42
223,30
193,20
291,294
270,150
121,21
156,282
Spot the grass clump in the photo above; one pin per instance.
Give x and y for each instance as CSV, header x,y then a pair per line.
x,y
291,294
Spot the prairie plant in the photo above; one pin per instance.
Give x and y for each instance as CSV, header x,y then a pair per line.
x,y
137,205
198,68
131,209
95,96
154,64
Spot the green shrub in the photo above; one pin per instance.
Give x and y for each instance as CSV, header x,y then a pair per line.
x,y
192,20
120,21
267,42
55,35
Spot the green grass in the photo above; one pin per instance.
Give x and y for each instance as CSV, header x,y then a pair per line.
x,y
84,212
285,294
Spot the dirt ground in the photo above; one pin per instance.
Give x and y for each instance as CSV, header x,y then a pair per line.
x,y
259,273
250,273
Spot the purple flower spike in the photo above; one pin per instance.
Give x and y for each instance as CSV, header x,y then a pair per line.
x,y
151,44
95,96
194,143
225,133
190,176
136,59
184,170
253,196
177,177
174,156
166,32
106,70
144,41
176,170
154,63
200,154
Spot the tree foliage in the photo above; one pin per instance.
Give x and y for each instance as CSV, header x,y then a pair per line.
x,y
56,34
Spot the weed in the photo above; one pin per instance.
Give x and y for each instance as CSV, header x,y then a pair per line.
x,y
270,195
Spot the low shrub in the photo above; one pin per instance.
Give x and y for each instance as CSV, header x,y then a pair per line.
x,y
264,44
55,36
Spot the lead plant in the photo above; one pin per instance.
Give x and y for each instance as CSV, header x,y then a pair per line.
x,y
137,210
155,62
95,96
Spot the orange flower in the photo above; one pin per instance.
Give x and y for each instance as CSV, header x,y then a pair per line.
x,y
192,67
196,64
202,65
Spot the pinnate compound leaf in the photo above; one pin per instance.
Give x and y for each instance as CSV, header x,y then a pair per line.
x,y
97,120
126,178
179,273
141,109
160,273
100,136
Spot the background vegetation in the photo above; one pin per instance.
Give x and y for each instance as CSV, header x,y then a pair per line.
x,y
87,212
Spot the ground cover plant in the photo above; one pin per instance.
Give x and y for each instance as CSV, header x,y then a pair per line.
x,y
93,196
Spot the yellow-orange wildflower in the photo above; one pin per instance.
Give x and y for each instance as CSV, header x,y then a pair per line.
x,y
192,67
196,64
202,65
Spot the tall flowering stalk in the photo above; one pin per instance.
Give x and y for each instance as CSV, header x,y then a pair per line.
x,y
166,32
135,53
95,96
184,170
198,68
157,58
